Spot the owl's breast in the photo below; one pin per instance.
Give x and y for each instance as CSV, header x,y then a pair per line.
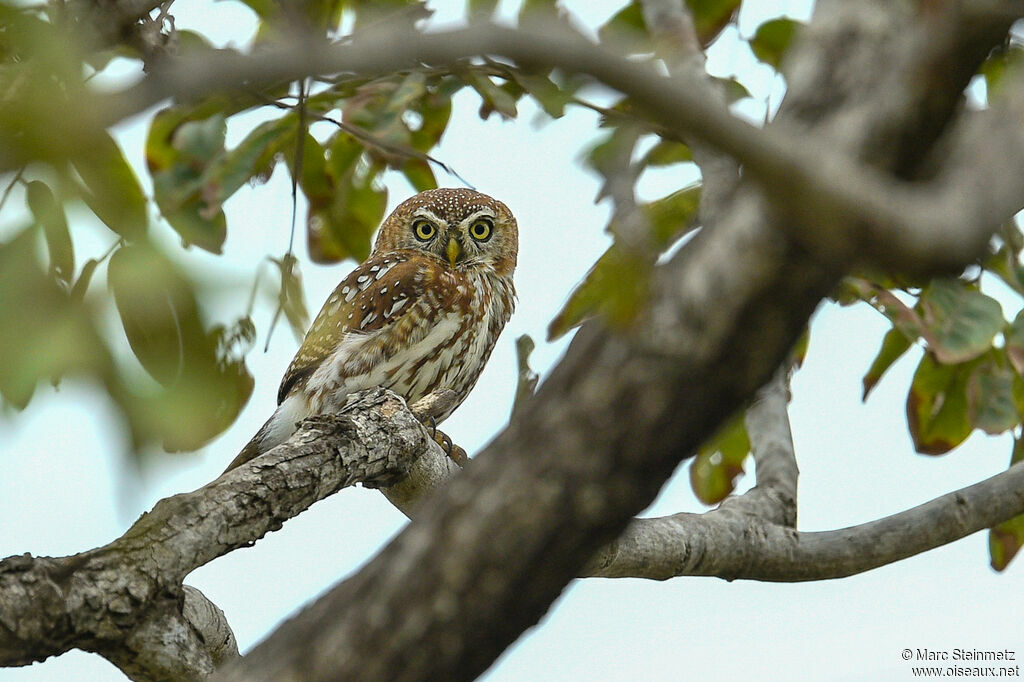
x,y
442,341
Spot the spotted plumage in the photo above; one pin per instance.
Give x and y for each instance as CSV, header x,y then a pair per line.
x,y
420,315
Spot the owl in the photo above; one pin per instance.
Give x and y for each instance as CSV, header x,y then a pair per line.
x,y
420,315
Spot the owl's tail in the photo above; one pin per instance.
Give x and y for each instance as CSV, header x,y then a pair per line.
x,y
277,430
254,448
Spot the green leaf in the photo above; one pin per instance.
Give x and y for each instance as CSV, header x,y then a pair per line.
x,y
627,29
602,155
43,333
772,39
611,155
894,344
158,312
1006,539
291,297
734,90
494,98
193,173
435,110
419,174
84,278
551,98
179,150
937,406
711,16
537,10
995,67
668,152
798,353
990,403
49,213
203,384
616,288
345,206
959,321
380,108
113,190
672,216
195,409
264,9
719,462
251,157
1004,262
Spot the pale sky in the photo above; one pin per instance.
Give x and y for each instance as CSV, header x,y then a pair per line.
x,y
66,489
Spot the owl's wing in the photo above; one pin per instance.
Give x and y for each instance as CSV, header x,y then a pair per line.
x,y
375,295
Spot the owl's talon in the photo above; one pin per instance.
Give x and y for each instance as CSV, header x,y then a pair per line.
x,y
454,452
431,424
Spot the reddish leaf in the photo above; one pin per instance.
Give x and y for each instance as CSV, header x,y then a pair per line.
x,y
937,406
959,321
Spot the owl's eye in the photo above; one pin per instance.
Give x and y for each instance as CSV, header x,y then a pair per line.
x,y
480,230
424,230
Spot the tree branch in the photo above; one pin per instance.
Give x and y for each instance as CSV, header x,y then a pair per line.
x,y
676,42
731,545
125,600
913,226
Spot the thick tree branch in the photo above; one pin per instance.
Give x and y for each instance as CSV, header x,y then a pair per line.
x,y
125,600
915,226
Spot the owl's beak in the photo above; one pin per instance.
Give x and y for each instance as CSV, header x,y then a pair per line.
x,y
454,250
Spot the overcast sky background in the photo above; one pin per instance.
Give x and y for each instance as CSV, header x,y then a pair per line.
x,y
66,487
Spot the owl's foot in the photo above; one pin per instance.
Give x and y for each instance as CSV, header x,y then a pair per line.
x,y
454,452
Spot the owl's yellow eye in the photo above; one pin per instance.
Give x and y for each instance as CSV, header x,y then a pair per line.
x,y
424,230
480,230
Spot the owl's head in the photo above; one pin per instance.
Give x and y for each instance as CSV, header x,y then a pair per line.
x,y
463,228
